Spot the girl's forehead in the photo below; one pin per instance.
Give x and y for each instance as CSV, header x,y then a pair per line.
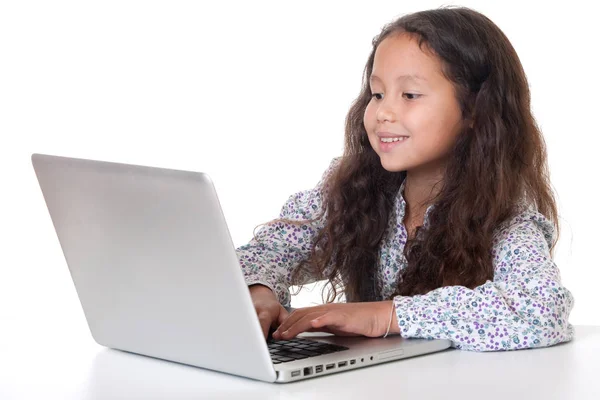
x,y
400,55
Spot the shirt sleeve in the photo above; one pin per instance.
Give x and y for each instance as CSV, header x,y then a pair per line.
x,y
272,255
524,306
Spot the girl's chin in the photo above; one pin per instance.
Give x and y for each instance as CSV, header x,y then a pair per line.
x,y
390,164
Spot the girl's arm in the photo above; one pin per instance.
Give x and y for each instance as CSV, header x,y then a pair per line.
x,y
271,258
525,306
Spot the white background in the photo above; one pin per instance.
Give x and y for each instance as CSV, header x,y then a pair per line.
x,y
254,93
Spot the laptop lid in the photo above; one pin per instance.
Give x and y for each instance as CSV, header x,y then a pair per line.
x,y
141,244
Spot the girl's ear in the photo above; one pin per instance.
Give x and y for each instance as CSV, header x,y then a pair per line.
x,y
470,121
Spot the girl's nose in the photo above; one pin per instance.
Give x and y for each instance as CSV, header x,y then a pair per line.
x,y
385,113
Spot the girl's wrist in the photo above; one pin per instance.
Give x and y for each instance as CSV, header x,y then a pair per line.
x,y
262,291
389,318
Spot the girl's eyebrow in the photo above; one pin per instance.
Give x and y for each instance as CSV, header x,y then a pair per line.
x,y
413,77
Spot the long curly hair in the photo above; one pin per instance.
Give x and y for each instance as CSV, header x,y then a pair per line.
x,y
499,161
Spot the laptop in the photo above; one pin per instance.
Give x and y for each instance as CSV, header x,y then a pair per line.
x,y
156,272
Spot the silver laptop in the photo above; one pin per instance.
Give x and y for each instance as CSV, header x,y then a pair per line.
x,y
157,274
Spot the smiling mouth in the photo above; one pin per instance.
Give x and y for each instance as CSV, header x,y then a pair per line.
x,y
393,140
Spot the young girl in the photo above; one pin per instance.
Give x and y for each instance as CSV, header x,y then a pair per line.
x,y
438,221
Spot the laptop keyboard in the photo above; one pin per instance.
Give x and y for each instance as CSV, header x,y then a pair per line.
x,y
283,351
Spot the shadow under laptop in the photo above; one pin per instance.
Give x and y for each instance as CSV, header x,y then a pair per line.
x,y
116,374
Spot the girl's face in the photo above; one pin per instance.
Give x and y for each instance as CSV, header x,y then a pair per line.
x,y
411,98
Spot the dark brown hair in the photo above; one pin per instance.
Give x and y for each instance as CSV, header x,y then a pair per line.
x,y
498,161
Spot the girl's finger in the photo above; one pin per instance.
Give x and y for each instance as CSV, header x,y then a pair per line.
x,y
283,314
302,324
294,317
332,319
289,321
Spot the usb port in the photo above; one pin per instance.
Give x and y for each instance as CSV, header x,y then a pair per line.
x,y
352,362
342,364
318,368
295,373
330,366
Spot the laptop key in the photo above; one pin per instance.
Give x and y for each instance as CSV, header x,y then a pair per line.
x,y
295,350
309,353
311,348
327,351
285,359
286,354
297,356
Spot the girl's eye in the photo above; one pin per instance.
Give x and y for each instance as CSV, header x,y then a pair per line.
x,y
414,95
410,96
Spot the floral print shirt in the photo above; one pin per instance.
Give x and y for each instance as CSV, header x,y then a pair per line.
x,y
524,306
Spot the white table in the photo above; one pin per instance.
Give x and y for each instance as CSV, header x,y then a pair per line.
x,y
41,365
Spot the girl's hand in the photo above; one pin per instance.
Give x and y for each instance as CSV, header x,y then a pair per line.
x,y
343,319
270,312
